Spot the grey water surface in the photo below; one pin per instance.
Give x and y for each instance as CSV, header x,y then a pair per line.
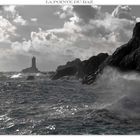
x,y
66,107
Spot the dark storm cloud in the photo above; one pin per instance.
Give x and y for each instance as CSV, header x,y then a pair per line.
x,y
86,13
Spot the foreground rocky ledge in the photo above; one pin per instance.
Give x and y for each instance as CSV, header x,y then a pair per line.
x,y
125,58
80,69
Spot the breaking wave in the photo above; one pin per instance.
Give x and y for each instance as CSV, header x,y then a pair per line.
x,y
119,92
19,75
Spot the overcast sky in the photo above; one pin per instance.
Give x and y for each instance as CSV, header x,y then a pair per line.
x,y
57,34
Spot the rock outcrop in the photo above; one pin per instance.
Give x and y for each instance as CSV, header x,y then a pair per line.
x,y
69,69
125,58
91,67
80,69
30,77
33,68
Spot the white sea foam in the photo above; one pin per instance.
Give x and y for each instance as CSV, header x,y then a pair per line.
x,y
19,75
119,92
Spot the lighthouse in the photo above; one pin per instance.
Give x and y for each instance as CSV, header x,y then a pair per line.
x,y
33,68
33,62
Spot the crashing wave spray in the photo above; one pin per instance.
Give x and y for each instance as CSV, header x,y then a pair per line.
x,y
118,92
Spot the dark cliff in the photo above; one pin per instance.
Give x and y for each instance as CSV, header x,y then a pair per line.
x,y
69,69
91,67
125,58
80,69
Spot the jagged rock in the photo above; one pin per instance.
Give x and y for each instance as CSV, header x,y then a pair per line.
x,y
81,69
125,58
32,69
70,69
31,77
91,67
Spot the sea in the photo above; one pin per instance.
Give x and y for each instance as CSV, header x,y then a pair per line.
x,y
109,106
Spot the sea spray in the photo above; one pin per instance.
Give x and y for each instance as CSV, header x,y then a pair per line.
x,y
118,92
19,75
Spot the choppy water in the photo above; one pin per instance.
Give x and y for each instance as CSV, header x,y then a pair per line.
x,y
41,107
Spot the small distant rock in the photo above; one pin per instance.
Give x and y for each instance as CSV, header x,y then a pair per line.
x,y
31,77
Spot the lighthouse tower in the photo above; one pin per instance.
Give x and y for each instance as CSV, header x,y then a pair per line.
x,y
33,68
33,62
